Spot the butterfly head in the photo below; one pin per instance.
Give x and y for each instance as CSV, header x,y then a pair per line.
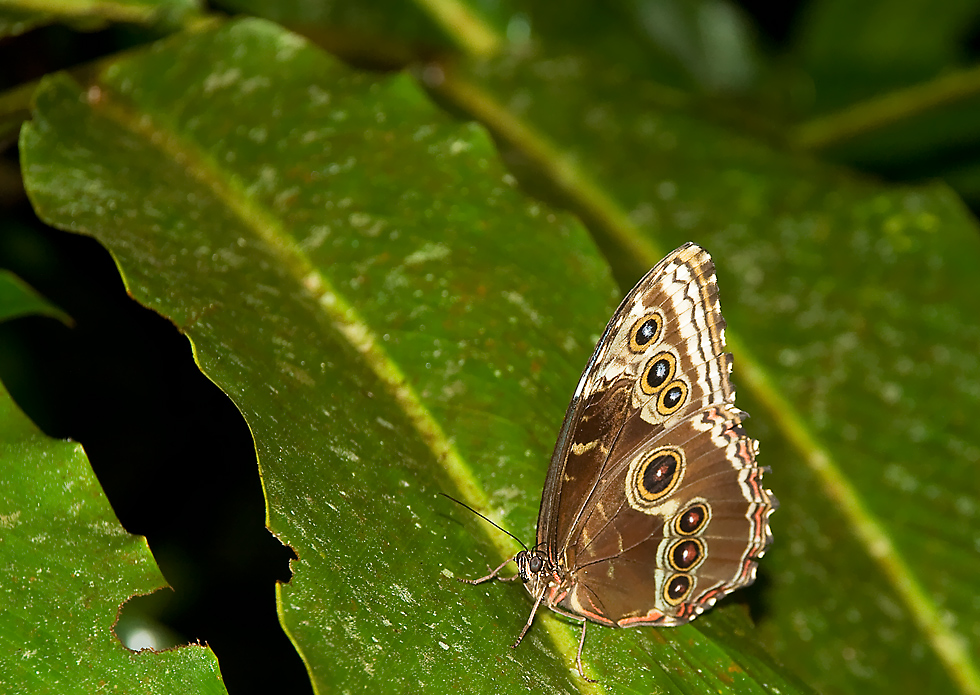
x,y
535,570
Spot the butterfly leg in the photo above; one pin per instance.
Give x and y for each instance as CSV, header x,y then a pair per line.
x,y
581,641
492,575
530,619
578,657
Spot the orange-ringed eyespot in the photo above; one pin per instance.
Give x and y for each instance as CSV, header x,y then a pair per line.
x,y
672,398
686,554
645,332
659,474
691,520
659,370
677,589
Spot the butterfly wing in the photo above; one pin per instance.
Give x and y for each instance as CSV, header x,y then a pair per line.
x,y
653,503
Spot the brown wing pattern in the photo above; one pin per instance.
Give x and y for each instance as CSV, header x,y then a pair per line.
x,y
653,500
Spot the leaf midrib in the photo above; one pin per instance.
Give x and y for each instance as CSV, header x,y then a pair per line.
x,y
343,316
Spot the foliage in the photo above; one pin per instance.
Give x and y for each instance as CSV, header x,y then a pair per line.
x,y
386,273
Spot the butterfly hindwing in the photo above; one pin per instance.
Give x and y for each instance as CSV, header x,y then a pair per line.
x,y
696,543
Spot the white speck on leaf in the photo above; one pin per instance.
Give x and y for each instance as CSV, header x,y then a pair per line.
x,y
345,454
216,81
428,252
317,95
318,234
518,300
403,593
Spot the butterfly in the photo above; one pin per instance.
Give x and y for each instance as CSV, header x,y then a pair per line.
x,y
653,506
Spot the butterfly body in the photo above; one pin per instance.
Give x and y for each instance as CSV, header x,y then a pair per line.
x,y
653,506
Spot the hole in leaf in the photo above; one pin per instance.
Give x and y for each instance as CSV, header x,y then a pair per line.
x,y
171,451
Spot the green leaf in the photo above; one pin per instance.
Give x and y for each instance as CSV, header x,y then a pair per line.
x,y
854,50
891,90
399,31
68,566
17,299
698,45
14,22
851,311
393,319
20,16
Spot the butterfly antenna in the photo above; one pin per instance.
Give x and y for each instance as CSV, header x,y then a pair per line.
x,y
489,521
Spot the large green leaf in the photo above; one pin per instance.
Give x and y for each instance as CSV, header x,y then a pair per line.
x,y
67,566
851,308
393,319
391,29
20,16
